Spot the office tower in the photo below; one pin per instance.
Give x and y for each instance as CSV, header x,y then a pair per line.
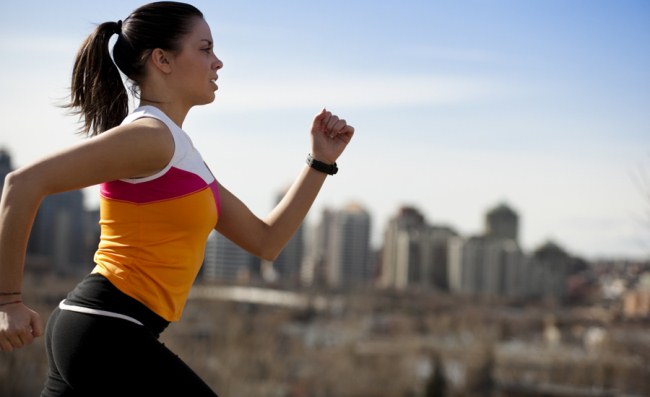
x,y
312,263
414,253
455,263
494,264
548,267
317,253
348,259
225,261
435,256
502,222
502,260
58,234
5,166
209,269
467,273
484,265
489,264
92,233
516,270
396,249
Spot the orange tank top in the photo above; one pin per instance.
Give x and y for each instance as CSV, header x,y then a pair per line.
x,y
154,229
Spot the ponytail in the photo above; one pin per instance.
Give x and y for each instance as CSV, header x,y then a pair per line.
x,y
97,92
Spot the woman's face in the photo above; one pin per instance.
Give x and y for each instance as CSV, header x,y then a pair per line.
x,y
195,67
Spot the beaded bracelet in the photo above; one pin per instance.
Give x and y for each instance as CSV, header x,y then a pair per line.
x,y
10,303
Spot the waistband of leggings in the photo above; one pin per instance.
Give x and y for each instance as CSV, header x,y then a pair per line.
x,y
95,293
80,309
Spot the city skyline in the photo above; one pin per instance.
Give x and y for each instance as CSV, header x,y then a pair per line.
x,y
337,253
458,106
313,221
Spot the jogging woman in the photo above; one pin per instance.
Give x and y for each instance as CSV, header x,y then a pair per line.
x,y
159,201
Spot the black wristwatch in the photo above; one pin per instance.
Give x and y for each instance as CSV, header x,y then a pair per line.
x,y
329,169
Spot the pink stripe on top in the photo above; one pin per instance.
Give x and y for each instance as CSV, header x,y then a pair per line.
x,y
175,183
215,193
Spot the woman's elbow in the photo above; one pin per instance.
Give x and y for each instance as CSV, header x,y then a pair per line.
x,y
257,247
11,179
14,185
269,254
270,250
268,245
19,184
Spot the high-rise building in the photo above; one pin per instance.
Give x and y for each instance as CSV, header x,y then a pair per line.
x,y
485,265
350,244
502,222
5,166
58,234
548,269
455,264
209,269
414,252
396,248
426,258
92,233
501,260
225,261
492,263
348,255
317,254
465,259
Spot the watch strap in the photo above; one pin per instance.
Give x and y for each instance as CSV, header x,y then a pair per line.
x,y
329,169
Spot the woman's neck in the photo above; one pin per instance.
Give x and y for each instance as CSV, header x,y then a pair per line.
x,y
175,112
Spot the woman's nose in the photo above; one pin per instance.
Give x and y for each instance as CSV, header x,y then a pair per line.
x,y
217,64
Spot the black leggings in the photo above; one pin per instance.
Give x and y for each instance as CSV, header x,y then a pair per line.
x,y
93,355
96,355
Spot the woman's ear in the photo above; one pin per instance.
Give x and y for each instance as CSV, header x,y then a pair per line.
x,y
161,61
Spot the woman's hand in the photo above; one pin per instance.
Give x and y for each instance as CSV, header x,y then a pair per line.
x,y
19,325
330,135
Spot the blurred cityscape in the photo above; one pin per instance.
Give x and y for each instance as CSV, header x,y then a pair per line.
x,y
430,312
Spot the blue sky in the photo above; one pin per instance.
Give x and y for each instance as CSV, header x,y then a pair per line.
x,y
458,106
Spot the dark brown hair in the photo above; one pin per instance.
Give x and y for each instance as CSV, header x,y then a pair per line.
x,y
98,94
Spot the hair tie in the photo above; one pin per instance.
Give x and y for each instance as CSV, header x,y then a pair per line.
x,y
118,28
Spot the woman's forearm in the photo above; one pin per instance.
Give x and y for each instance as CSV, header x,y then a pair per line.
x,y
18,208
288,215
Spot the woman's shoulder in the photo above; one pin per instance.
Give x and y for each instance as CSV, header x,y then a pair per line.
x,y
145,130
146,141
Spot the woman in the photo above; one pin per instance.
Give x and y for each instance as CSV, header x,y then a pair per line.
x,y
159,201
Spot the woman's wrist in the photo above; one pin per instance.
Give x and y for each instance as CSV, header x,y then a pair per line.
x,y
10,296
322,166
11,302
322,157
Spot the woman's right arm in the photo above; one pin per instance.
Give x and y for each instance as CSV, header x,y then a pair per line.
x,y
137,149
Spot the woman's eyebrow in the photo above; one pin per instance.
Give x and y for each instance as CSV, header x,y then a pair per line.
x,y
207,41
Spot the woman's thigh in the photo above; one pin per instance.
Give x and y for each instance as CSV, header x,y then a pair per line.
x,y
97,355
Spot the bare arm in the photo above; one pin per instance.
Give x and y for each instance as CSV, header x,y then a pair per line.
x,y
137,149
266,238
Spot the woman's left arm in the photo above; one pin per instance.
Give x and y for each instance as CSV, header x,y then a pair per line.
x,y
266,238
